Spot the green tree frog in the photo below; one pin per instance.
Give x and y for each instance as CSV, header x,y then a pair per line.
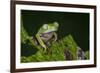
x,y
46,33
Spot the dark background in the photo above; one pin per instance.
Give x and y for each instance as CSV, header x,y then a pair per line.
x,y
76,24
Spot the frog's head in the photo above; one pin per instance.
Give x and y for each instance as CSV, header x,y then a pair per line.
x,y
50,27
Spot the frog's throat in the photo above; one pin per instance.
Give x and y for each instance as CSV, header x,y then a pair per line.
x,y
47,31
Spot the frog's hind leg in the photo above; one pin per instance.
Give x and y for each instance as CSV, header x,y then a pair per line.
x,y
41,42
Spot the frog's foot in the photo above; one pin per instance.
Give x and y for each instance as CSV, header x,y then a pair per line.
x,y
34,40
48,44
44,48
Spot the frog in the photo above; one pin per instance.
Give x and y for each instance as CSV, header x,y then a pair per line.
x,y
46,33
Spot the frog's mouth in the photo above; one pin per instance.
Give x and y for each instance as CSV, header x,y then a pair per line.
x,y
47,34
48,31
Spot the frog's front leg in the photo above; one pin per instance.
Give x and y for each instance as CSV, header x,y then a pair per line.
x,y
55,36
40,41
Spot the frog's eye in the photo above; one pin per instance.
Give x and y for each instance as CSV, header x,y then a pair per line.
x,y
45,26
56,24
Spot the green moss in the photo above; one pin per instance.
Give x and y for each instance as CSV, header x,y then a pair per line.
x,y
70,43
87,55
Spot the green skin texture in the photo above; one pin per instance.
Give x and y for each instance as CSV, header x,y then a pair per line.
x,y
45,29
